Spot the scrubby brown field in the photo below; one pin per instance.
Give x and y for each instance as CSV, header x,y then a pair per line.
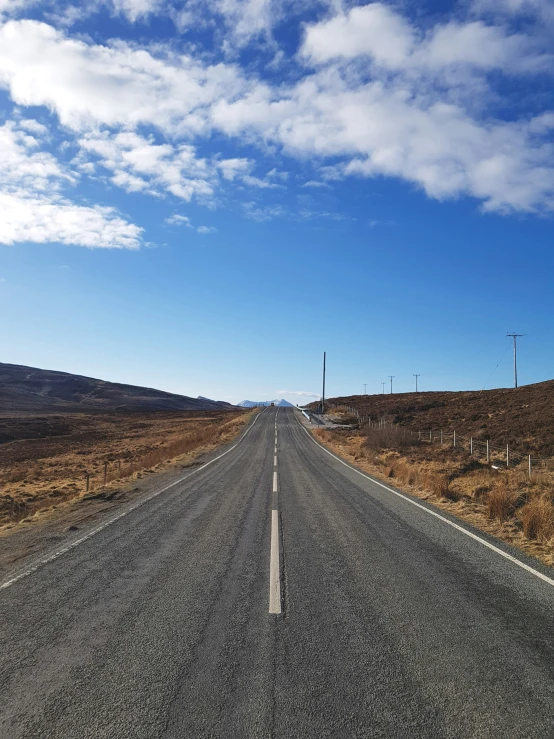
x,y
504,502
522,417
47,459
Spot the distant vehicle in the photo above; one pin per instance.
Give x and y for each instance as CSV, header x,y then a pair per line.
x,y
271,406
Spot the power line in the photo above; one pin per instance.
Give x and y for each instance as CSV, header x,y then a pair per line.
x,y
494,370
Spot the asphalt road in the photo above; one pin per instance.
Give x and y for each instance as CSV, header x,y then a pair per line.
x,y
392,623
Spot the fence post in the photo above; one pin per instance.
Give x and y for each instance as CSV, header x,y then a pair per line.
x,y
471,445
419,435
87,478
529,466
105,472
119,467
441,437
507,455
454,439
430,437
488,452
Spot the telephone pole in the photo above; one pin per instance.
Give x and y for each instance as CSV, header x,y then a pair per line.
x,y
416,376
391,377
365,388
515,338
383,384
323,394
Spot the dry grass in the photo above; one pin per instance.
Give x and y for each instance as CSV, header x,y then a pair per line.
x,y
502,503
505,502
537,519
49,469
391,437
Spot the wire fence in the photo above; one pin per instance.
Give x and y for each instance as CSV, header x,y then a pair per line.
x,y
497,455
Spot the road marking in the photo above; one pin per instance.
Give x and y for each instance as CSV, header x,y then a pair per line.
x,y
275,481
58,552
471,535
275,460
274,575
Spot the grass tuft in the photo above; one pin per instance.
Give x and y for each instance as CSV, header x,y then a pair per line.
x,y
537,519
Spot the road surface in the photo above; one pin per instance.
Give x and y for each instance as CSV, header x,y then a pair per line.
x,y
387,621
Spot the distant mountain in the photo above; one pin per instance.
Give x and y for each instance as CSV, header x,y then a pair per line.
x,y
32,390
281,402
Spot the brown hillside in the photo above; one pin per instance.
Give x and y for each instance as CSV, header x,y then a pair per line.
x,y
522,417
37,391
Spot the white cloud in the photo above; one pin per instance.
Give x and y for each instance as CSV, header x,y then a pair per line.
x,y
247,18
257,182
542,10
260,213
90,85
204,230
300,393
402,126
378,32
34,127
138,164
372,29
178,220
34,208
316,183
383,97
42,220
135,9
22,166
480,46
232,168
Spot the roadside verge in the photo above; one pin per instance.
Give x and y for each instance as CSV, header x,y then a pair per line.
x,y
471,512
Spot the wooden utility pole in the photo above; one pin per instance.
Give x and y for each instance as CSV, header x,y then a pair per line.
x,y
323,393
515,338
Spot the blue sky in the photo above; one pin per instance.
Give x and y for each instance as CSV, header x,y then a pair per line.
x,y
202,197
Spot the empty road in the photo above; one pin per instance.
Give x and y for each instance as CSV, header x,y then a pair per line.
x,y
276,592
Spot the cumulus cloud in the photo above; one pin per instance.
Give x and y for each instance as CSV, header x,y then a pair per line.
x,y
373,94
178,220
89,85
233,168
380,33
32,203
204,230
138,163
44,220
373,29
23,166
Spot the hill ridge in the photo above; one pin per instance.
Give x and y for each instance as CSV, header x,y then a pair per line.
x,y
33,390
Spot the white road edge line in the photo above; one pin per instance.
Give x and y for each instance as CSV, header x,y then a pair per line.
x,y
437,515
274,577
58,552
